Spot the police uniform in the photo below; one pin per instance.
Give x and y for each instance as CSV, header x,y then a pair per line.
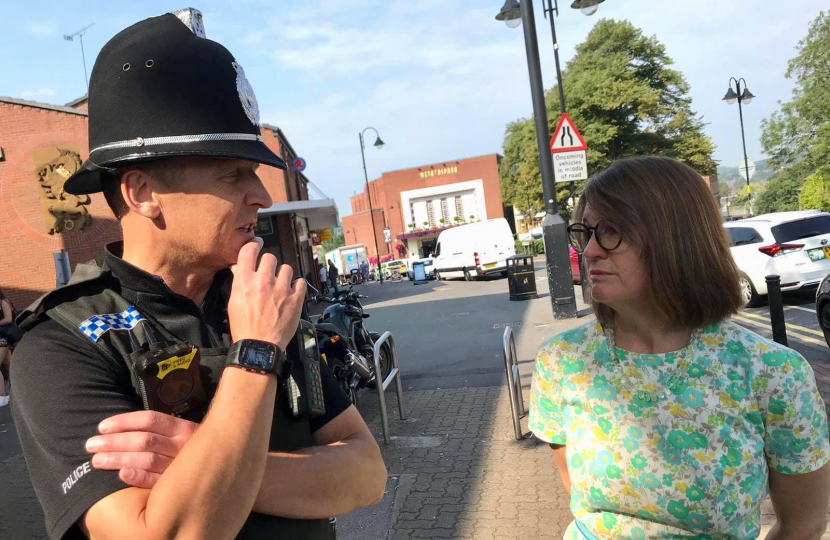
x,y
158,89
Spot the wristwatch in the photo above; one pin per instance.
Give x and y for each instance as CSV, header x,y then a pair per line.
x,y
258,356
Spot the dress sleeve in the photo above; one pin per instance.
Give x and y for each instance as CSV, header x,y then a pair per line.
x,y
795,420
546,402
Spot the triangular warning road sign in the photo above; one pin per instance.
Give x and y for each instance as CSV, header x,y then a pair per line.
x,y
566,138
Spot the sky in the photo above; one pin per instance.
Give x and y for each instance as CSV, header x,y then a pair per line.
x,y
438,79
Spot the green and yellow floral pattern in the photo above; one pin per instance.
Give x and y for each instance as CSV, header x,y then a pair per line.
x,y
692,464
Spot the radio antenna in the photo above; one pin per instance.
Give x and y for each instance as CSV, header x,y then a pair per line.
x,y
80,33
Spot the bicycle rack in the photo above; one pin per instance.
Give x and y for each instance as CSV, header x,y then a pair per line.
x,y
395,375
514,382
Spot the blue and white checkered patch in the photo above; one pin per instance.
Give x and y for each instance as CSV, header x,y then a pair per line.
x,y
98,325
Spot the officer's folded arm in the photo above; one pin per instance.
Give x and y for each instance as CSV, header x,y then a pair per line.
x,y
343,473
197,497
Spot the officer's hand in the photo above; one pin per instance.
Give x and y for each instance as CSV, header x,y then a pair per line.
x,y
264,303
141,445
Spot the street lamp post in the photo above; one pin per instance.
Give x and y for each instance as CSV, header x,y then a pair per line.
x,y
554,228
378,144
741,96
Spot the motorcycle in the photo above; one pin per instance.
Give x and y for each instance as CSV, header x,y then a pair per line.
x,y
349,348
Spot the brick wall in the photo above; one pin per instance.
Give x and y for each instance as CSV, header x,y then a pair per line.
x,y
357,229
27,269
26,265
386,196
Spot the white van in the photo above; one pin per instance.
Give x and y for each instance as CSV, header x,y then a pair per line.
x,y
474,250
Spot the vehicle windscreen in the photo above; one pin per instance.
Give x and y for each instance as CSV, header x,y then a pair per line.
x,y
805,228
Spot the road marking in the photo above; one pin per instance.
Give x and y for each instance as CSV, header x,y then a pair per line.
x,y
789,325
520,324
795,335
808,310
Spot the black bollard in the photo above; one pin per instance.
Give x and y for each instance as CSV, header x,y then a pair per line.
x,y
776,310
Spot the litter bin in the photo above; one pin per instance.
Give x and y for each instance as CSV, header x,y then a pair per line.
x,y
521,277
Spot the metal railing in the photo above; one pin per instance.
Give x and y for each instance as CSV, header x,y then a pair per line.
x,y
514,382
394,374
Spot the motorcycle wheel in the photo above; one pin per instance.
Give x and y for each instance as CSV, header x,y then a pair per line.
x,y
385,365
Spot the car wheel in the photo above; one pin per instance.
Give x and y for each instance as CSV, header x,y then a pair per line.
x,y
750,296
467,275
824,321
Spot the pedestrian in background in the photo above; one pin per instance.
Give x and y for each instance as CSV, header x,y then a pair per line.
x,y
666,419
323,279
6,344
364,272
333,273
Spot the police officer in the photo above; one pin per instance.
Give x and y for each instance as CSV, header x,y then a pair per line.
x,y
174,146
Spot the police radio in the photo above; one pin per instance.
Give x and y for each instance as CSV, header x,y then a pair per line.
x,y
303,387
168,377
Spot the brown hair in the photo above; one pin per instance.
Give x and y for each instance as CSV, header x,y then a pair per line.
x,y
665,209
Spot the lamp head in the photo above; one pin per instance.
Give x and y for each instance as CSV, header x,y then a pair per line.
x,y
746,96
379,143
587,7
730,97
510,13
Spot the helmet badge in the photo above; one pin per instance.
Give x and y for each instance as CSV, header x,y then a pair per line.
x,y
246,95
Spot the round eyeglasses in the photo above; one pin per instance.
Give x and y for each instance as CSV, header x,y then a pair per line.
x,y
608,235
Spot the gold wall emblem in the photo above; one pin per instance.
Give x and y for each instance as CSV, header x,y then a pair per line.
x,y
62,212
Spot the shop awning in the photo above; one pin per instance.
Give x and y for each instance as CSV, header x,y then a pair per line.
x,y
320,213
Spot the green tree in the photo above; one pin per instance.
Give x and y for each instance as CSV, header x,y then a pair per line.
x,y
800,130
742,198
779,195
626,101
815,195
337,240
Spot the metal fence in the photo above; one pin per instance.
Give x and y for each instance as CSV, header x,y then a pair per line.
x,y
514,382
395,375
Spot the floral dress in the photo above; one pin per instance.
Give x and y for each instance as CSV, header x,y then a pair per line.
x,y
676,445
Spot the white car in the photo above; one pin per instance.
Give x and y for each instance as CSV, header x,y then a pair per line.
x,y
793,245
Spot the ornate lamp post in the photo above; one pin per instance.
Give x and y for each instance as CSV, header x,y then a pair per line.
x,y
554,228
741,96
378,144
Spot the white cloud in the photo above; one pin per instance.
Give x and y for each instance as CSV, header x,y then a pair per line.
x,y
40,92
253,38
41,29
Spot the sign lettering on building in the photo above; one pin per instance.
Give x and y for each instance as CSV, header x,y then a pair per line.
x,y
439,172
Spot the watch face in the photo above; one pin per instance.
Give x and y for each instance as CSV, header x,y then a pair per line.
x,y
257,356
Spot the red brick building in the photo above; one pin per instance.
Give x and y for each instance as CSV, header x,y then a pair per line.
x,y
41,145
416,204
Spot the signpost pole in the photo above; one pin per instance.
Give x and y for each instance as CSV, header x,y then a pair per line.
x,y
549,12
554,228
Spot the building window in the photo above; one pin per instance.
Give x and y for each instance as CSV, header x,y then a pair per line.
x,y
412,212
431,214
459,208
445,211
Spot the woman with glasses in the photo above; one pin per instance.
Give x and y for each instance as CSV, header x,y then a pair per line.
x,y
666,419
